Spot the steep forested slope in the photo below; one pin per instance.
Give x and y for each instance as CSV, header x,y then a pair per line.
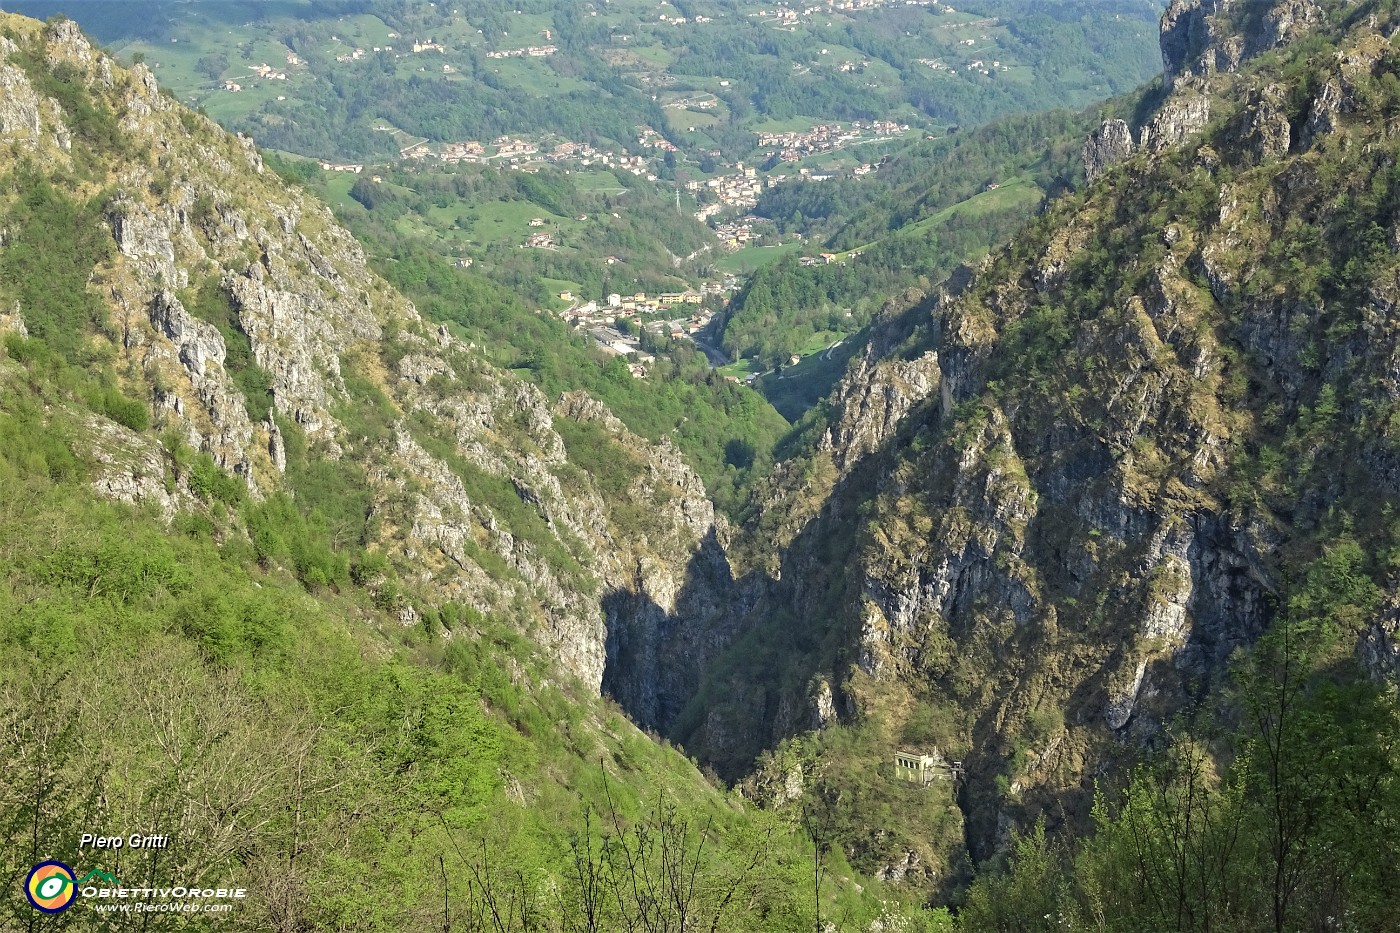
x,y
1053,508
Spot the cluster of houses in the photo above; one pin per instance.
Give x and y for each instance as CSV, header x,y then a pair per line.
x,y
979,65
418,47
639,303
851,5
356,54
976,64
737,233
268,73
697,102
739,190
648,138
742,189
600,321
452,153
529,51
506,147
522,153
265,72
785,15
827,137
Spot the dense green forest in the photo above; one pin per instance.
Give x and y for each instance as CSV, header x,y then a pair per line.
x,y
260,701
929,176
785,304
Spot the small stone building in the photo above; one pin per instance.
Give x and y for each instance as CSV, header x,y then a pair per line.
x,y
924,767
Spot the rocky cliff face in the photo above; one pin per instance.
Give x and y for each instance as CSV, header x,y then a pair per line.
x,y
1200,39
1052,504
1200,43
473,493
1110,144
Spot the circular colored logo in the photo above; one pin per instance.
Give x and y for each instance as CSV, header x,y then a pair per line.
x,y
51,887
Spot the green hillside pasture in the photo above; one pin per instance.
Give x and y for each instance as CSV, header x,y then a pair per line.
x,y
1015,193
366,31
789,125
751,258
598,182
525,29
338,185
655,55
176,65
533,76
506,221
554,286
797,388
683,119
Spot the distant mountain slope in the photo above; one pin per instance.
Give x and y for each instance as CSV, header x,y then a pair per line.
x,y
707,76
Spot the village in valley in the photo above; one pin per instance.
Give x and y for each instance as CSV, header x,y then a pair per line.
x,y
705,137
723,200
720,197
617,322
787,13
718,191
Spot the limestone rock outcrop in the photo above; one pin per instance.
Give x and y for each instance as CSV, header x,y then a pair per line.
x,y
1109,145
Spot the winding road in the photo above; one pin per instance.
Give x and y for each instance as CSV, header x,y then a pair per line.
x,y
715,355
